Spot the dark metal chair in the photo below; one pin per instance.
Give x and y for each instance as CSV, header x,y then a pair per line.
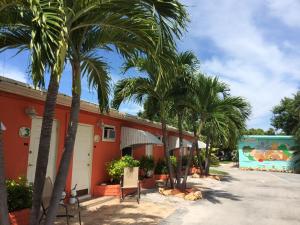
x,y
46,197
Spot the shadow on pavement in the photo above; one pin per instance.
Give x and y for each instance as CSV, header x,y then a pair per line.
x,y
215,196
228,178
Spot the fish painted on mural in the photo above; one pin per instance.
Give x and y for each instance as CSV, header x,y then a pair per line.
x,y
264,151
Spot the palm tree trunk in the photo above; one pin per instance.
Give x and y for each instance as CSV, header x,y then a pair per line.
x,y
44,147
207,156
198,151
62,174
3,194
166,150
179,161
186,172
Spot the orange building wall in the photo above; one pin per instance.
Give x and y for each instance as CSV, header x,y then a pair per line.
x,y
16,148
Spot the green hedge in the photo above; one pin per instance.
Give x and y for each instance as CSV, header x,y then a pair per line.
x,y
19,194
147,164
116,167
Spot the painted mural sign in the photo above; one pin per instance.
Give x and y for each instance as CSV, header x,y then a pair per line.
x,y
266,152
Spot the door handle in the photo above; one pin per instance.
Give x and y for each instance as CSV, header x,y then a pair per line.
x,y
88,164
30,164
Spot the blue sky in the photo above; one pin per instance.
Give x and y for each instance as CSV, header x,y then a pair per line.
x,y
253,45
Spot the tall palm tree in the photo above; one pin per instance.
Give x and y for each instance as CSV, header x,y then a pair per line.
x,y
205,89
39,26
147,24
153,87
3,193
225,121
179,94
132,29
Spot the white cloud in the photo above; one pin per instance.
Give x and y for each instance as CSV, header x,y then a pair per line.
x,y
130,108
13,73
255,66
288,11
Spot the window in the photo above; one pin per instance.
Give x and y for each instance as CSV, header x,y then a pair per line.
x,y
127,151
109,133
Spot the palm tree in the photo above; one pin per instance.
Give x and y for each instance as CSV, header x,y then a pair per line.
x,y
132,29
3,193
152,87
146,24
205,89
221,118
38,26
225,119
179,95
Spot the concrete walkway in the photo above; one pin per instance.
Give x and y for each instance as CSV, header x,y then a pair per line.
x,y
244,198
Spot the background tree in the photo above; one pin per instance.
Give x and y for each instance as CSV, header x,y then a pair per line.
x,y
285,115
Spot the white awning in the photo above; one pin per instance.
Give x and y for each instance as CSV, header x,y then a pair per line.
x,y
174,143
132,136
201,144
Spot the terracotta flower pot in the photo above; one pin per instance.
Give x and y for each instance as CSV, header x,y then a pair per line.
x,y
20,217
194,170
161,176
110,190
148,183
107,190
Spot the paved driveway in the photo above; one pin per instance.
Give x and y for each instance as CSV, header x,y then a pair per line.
x,y
245,198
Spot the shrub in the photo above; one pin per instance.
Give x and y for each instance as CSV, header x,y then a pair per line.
x,y
214,160
19,194
173,160
147,164
195,159
116,167
161,167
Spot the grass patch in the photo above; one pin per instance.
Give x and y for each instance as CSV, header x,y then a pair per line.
x,y
217,172
226,162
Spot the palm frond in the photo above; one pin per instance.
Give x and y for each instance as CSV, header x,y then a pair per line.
x,y
134,89
96,71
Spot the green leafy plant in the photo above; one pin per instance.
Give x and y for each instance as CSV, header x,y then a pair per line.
x,y
214,160
161,167
147,164
19,194
173,160
116,167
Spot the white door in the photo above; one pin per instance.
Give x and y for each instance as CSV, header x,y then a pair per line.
x,y
36,126
82,159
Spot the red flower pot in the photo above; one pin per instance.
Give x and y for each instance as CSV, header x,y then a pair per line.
x,y
20,217
194,170
107,190
148,183
161,176
111,190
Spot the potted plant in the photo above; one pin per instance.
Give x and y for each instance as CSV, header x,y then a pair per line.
x,y
19,199
115,170
161,170
147,166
